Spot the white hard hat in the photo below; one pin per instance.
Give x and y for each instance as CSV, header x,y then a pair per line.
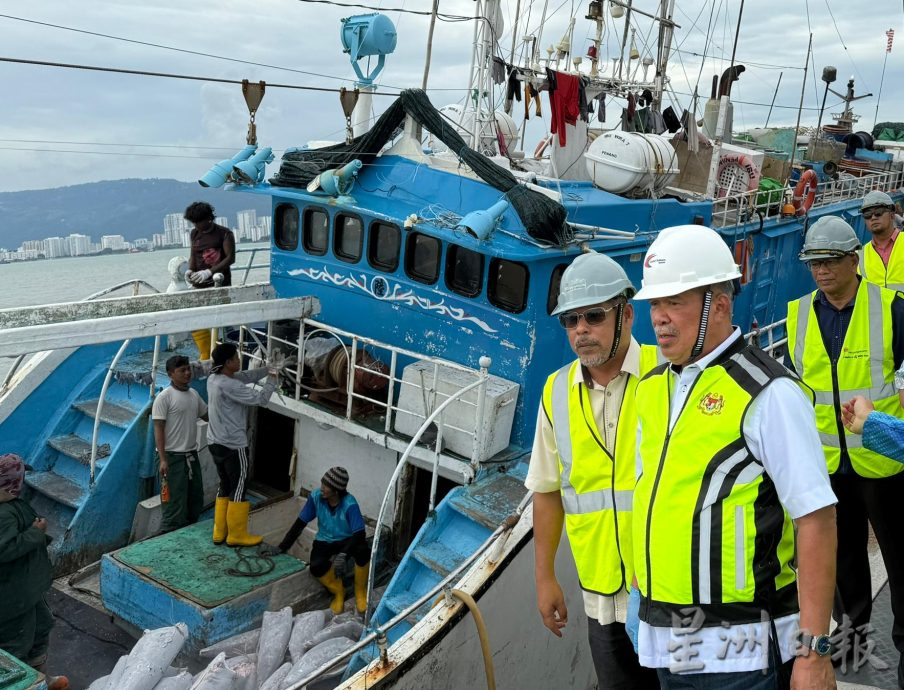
x,y
590,279
876,198
685,257
829,236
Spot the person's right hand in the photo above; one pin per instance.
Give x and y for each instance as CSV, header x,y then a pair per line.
x,y
854,413
551,603
164,467
40,523
632,622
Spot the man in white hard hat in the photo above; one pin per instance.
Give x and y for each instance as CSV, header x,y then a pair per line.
x,y
729,463
880,262
582,465
845,339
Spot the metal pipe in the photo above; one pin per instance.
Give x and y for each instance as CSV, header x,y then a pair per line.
x,y
774,94
393,360
800,108
434,478
430,44
100,407
485,363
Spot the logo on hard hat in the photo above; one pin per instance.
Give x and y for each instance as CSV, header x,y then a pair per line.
x,y
652,259
711,403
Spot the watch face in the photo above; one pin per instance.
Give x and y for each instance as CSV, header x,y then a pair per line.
x,y
822,646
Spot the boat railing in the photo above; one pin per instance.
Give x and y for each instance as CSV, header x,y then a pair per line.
x,y
774,346
378,635
736,209
357,359
250,265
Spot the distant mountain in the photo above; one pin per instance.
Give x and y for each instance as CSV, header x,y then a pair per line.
x,y
131,208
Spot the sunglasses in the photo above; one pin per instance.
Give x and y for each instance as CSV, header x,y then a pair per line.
x,y
873,213
592,317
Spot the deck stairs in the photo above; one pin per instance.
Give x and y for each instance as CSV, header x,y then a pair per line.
x,y
463,520
83,520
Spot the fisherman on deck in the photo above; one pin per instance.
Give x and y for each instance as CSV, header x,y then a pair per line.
x,y
582,465
847,338
881,261
212,253
229,399
176,411
25,574
729,463
340,529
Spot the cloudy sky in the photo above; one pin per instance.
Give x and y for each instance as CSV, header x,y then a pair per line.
x,y
67,126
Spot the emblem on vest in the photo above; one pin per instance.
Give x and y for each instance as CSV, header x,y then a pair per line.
x,y
711,403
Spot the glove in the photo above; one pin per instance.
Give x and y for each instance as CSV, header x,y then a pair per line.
x,y
199,277
632,623
188,275
269,550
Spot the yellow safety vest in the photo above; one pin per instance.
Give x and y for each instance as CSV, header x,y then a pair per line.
x,y
596,483
709,529
865,367
872,268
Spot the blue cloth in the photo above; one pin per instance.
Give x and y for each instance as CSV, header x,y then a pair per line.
x,y
632,622
333,524
884,434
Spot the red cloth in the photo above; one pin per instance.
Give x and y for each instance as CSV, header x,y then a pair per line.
x,y
564,104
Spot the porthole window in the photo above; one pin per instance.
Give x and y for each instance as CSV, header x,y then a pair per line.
x,y
422,254
555,282
349,238
316,231
464,270
383,245
286,233
507,286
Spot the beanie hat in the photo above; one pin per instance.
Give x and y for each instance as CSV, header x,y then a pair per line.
x,y
12,474
336,478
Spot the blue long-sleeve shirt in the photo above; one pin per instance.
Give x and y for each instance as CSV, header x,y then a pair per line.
x,y
884,434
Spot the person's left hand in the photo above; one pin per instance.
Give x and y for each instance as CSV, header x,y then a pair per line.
x,y
632,621
200,277
813,672
854,413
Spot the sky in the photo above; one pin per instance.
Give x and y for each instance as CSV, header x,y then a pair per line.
x,y
63,126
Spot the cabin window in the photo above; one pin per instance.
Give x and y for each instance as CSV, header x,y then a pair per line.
x,y
507,288
349,238
554,282
316,231
422,256
383,245
464,271
286,234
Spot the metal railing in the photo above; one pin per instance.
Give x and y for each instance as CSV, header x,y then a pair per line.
x,y
773,346
250,265
736,209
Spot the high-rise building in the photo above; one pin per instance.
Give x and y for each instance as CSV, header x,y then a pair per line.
x,y
222,220
246,222
264,224
55,247
116,243
173,227
79,245
159,240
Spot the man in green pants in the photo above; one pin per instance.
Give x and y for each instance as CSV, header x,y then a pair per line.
x,y
176,411
26,574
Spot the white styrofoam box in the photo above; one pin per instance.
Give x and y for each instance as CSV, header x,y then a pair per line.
x,y
758,156
499,407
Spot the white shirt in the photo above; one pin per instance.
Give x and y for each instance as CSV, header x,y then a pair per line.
x,y
780,430
543,472
180,412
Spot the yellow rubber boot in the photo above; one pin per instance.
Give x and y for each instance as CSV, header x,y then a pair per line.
x,y
237,525
361,573
334,586
202,341
219,520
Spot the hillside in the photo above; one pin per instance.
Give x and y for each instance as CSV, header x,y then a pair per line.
x,y
131,208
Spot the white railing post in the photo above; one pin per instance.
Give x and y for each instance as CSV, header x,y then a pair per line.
x,y
485,363
393,361
100,408
352,363
299,364
437,449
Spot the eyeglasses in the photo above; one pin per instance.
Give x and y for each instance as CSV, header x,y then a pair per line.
x,y
873,213
592,317
831,264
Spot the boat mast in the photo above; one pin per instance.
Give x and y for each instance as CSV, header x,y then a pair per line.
x,y
627,5
430,43
800,108
485,17
666,30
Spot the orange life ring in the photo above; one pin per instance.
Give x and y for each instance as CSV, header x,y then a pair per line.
x,y
739,160
808,182
541,146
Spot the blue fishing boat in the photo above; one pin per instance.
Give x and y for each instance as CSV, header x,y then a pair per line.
x,y
413,270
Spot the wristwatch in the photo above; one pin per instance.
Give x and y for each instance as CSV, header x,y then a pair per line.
x,y
821,644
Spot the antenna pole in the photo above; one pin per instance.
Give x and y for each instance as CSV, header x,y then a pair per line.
x,y
881,82
734,48
775,93
801,106
430,43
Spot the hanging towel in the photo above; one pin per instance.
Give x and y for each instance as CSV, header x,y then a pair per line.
x,y
498,70
601,113
564,103
535,94
512,91
671,120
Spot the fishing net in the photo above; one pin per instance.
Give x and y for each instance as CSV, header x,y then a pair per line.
x,y
543,217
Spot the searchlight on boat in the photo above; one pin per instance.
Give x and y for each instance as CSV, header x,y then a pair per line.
x,y
338,182
252,171
220,173
481,223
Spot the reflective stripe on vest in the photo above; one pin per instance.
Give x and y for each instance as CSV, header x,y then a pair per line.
x,y
709,529
596,482
875,271
868,336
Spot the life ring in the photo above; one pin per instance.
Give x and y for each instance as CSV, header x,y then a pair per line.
x,y
739,160
541,146
808,183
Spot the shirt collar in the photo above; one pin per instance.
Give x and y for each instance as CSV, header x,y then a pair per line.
x,y
823,300
631,365
708,359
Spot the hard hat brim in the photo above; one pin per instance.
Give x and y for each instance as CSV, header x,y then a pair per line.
x,y
676,288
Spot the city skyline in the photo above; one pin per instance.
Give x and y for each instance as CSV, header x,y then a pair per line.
x,y
176,233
